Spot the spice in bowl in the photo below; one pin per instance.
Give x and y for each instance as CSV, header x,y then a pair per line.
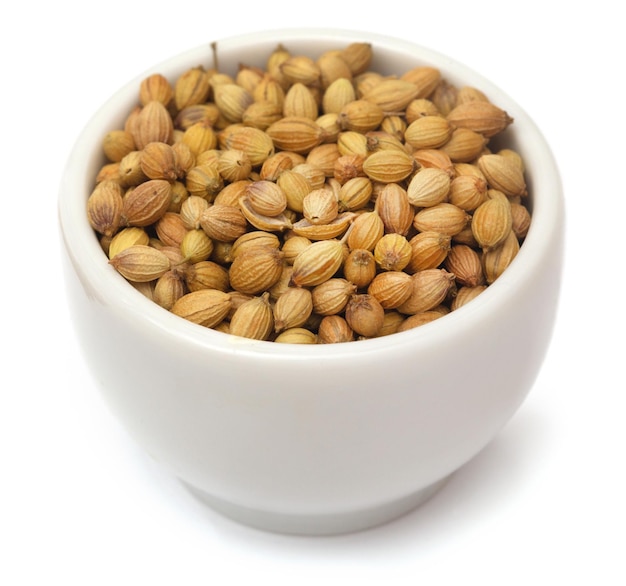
x,y
312,201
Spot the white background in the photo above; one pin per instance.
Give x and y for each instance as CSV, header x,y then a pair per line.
x,y
542,504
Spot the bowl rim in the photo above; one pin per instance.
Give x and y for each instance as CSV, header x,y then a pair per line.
x,y
89,260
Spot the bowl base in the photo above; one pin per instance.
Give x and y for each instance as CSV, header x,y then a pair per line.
x,y
325,524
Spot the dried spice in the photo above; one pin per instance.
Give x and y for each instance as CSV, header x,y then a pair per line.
x,y
310,201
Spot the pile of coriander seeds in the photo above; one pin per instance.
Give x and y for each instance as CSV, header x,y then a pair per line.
x,y
313,201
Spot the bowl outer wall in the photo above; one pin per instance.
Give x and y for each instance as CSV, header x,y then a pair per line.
x,y
318,429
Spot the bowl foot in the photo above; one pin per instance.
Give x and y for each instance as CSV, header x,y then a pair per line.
x,y
323,524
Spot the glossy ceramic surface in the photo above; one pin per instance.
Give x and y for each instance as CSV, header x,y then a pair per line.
x,y
322,439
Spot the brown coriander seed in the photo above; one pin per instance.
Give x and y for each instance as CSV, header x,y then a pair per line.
x,y
255,270
234,165
154,124
334,329
355,193
254,238
332,67
295,133
492,223
465,264
496,260
324,156
223,222
365,315
358,56
191,211
168,289
520,220
464,145
266,197
425,78
159,161
204,181
253,319
140,263
117,144
444,218
147,203
359,267
392,95
300,101
292,308
389,166
129,171
391,288
206,274
332,296
429,288
317,263
338,94
232,100
179,195
256,143
192,87
365,232
465,294
503,173
428,132
320,206
428,250
155,87
105,207
480,116
277,223
393,252
196,246
170,229
231,193
418,319
296,336
300,69
429,187
467,192
127,237
206,307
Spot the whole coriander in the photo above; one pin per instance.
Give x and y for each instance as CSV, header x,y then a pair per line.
x,y
312,201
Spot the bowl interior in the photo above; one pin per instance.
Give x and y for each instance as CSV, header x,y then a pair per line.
x,y
391,56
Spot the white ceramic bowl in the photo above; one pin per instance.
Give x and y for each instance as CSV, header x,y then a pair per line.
x,y
328,438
